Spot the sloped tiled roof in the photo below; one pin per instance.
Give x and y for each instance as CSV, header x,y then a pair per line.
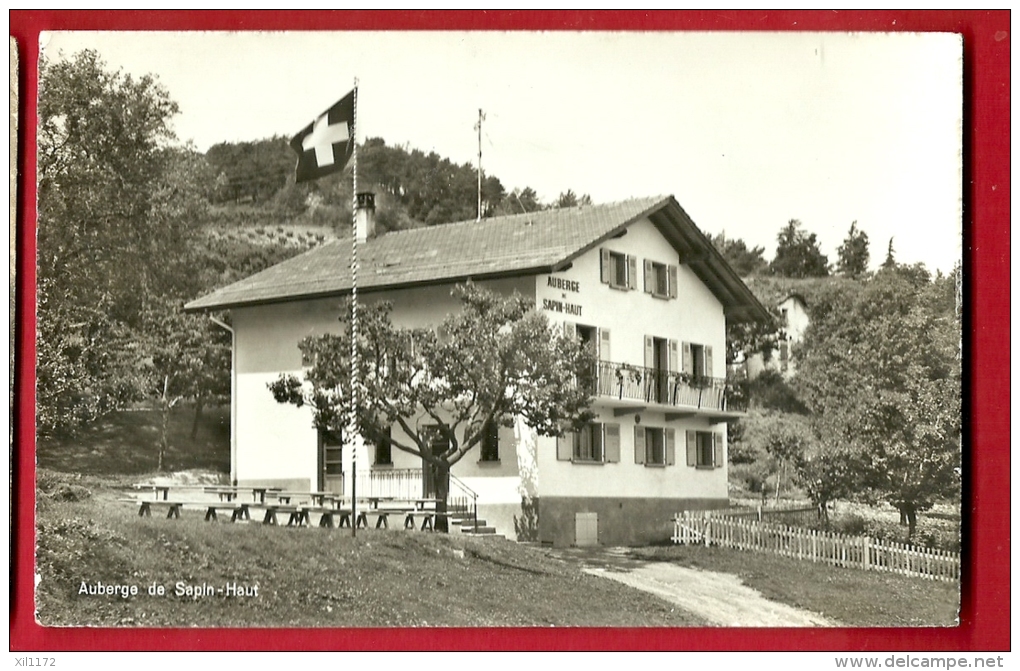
x,y
501,246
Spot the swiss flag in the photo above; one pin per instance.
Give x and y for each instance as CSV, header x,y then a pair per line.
x,y
325,145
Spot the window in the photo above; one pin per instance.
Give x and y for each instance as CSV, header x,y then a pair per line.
x,y
654,446
697,362
588,443
619,270
595,443
704,449
490,442
383,451
660,279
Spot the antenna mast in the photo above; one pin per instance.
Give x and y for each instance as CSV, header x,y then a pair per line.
x,y
478,127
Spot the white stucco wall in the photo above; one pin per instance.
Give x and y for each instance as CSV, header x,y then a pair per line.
x,y
276,442
696,315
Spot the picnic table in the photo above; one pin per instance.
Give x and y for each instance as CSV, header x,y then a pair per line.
x,y
157,490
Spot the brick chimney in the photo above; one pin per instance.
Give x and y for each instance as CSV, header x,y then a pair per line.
x,y
365,215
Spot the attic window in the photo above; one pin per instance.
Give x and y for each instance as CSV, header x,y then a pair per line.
x,y
660,279
619,270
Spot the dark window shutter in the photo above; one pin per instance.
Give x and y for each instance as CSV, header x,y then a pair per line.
x,y
606,267
708,361
672,281
717,450
632,272
670,447
649,277
692,448
564,447
612,443
639,444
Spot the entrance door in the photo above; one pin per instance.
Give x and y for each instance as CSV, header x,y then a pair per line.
x,y
331,469
438,444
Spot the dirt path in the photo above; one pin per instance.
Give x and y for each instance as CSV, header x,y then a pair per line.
x,y
720,598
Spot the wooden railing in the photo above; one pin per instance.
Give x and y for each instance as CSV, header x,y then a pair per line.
x,y
817,546
653,385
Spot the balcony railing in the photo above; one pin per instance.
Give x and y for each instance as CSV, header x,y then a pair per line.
x,y
652,385
411,483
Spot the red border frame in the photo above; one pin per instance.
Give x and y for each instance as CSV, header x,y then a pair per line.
x,y
985,604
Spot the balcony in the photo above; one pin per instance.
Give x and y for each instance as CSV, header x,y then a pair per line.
x,y
632,389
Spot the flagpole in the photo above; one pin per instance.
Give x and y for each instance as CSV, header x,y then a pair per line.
x,y
354,322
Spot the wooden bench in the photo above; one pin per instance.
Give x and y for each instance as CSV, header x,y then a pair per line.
x,y
428,518
298,514
145,507
428,522
237,510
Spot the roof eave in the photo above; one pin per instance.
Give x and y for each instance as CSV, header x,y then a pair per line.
x,y
390,286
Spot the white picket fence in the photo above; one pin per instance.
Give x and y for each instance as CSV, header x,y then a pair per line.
x,y
690,527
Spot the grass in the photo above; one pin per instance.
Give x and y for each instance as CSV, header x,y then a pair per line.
x,y
127,443
315,577
850,596
306,577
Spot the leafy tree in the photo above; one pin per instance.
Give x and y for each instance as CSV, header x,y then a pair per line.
x,y
251,171
853,253
828,471
798,254
188,358
782,439
495,360
880,369
116,204
744,261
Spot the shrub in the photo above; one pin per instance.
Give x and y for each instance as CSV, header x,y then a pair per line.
x,y
527,526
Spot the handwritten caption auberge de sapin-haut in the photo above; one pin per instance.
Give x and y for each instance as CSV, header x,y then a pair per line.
x,y
180,588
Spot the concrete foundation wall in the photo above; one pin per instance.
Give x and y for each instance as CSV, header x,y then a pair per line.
x,y
621,521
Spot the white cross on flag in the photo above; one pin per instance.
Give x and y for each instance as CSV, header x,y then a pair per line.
x,y
325,145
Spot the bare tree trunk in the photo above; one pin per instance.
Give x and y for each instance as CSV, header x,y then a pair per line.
x,y
199,405
442,494
164,437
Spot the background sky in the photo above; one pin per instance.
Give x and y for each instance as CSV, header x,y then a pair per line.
x,y
746,130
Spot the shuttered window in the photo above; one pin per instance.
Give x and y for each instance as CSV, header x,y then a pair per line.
x,y
595,443
697,361
654,446
705,449
618,270
660,279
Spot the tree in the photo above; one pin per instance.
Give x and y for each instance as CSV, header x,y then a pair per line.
x,y
828,471
880,369
745,261
798,254
188,358
497,359
853,253
782,438
890,257
116,203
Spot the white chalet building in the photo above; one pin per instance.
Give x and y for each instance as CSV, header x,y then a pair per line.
x,y
637,279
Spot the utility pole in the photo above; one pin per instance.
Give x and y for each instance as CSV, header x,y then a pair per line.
x,y
478,127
